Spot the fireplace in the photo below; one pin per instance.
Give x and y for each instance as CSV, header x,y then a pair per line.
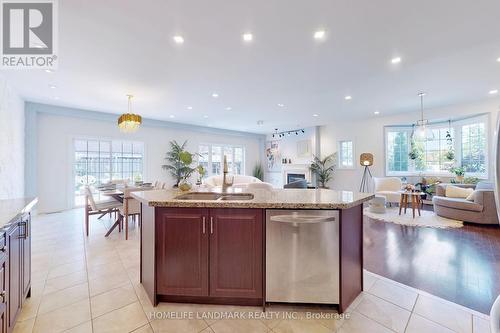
x,y
292,177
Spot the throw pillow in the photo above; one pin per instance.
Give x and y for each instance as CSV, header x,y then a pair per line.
x,y
471,196
458,192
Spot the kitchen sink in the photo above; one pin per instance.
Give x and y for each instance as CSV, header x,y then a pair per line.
x,y
237,196
199,196
215,196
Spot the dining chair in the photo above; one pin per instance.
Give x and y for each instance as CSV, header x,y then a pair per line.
x,y
93,207
130,207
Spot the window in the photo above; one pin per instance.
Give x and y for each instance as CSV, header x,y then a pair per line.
x,y
460,143
346,155
100,161
474,148
212,158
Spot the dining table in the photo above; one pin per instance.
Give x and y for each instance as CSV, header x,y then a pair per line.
x,y
118,194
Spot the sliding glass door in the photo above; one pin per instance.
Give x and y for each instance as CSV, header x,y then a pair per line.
x,y
98,162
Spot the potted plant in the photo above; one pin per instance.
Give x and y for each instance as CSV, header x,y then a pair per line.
x,y
179,164
323,168
258,172
201,173
459,173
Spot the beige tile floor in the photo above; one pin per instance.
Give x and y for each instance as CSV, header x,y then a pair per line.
x,y
92,284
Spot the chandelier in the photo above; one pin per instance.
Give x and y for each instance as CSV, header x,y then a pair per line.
x,y
423,132
129,122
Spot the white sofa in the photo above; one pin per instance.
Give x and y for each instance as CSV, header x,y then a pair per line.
x,y
389,188
238,181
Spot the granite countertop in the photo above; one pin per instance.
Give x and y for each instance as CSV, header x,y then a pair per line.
x,y
278,198
10,209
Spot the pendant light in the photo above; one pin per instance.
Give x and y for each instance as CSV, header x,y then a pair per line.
x,y
129,122
423,132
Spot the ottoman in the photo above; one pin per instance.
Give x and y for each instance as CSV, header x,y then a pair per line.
x,y
377,204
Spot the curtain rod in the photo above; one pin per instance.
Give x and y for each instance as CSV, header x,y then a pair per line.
x,y
436,122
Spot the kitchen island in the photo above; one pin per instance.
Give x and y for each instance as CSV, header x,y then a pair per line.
x,y
211,247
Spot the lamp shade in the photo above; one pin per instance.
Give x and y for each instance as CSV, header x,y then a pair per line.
x,y
366,159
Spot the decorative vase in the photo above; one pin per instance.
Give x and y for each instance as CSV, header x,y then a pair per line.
x,y
184,187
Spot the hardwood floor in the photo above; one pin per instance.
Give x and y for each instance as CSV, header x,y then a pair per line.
x,y
460,265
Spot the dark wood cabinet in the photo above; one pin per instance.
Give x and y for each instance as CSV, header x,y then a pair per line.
x,y
183,255
3,284
14,282
212,254
236,253
25,238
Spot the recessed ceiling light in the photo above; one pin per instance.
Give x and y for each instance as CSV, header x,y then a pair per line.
x,y
348,98
179,39
215,95
320,34
49,71
376,112
56,97
248,37
229,108
396,60
205,116
171,116
189,107
281,105
315,115
494,92
498,59
51,86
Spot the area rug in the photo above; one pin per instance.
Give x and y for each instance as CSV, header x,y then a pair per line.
x,y
427,218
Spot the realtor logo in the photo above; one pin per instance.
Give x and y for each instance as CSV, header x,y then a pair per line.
x,y
29,34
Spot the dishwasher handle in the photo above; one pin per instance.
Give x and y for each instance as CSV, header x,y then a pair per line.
x,y
302,219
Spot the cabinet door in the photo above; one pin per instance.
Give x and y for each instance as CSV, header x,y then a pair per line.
x,y
182,254
14,276
26,255
3,286
236,249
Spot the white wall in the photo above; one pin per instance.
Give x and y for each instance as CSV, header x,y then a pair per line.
x,y
55,134
368,137
11,142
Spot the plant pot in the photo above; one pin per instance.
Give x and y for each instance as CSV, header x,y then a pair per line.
x,y
460,179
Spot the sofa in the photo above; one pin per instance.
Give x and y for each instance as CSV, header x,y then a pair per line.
x,y
238,180
388,187
482,209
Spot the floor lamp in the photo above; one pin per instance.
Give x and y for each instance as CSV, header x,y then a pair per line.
x,y
366,160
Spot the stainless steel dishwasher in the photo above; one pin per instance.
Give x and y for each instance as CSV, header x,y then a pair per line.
x,y
302,256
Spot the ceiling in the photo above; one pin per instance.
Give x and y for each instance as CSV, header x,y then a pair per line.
x,y
449,49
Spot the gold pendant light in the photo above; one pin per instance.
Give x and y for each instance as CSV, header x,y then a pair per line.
x,y
129,122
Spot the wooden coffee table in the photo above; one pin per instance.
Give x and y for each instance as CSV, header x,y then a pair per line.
x,y
414,197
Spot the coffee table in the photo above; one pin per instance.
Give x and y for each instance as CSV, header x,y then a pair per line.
x,y
414,197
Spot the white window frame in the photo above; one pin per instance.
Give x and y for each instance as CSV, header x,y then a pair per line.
x,y
457,145
340,154
71,196
225,145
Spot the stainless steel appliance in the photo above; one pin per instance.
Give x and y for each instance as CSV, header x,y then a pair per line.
x,y
302,256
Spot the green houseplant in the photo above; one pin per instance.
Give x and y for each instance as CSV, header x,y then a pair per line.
x,y
459,173
179,162
258,172
323,168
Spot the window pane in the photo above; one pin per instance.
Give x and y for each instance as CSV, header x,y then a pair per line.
x,y
104,161
211,158
474,148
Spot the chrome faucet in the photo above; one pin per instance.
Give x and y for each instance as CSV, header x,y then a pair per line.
x,y
225,183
